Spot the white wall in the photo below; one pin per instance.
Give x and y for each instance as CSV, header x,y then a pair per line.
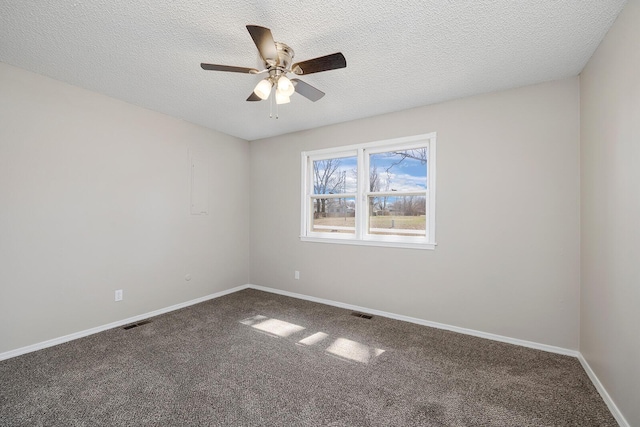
x,y
94,196
507,260
610,151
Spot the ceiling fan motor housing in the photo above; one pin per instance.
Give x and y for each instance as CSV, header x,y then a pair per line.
x,y
285,56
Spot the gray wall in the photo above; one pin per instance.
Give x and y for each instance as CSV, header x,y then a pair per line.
x,y
610,151
507,260
94,196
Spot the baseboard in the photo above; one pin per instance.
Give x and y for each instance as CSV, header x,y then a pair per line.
x,y
494,337
552,349
538,346
81,334
603,393
55,341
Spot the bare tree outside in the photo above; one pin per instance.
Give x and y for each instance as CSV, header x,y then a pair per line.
x,y
419,154
327,179
378,183
383,181
374,185
410,205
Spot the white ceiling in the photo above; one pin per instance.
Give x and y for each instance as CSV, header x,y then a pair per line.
x,y
400,53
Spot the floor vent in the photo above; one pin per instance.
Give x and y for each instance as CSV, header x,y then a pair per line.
x,y
135,325
364,316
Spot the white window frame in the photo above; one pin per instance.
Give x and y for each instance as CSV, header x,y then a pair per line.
x,y
362,152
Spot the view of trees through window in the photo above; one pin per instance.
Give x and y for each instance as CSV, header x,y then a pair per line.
x,y
337,176
396,196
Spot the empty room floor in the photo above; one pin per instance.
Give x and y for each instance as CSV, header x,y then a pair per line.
x,y
253,358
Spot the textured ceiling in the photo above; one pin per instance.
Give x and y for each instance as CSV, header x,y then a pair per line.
x,y
400,54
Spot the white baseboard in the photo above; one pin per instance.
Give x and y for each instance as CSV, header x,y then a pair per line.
x,y
603,393
55,341
494,337
553,349
538,346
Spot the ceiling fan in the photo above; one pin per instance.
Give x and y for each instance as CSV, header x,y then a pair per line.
x,y
278,58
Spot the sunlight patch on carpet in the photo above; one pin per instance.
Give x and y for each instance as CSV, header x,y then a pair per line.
x,y
313,339
278,327
251,320
353,350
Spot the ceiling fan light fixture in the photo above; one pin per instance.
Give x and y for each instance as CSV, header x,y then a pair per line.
x,y
282,98
277,60
263,88
285,86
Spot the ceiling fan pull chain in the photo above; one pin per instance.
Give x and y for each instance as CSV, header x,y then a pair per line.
x,y
271,107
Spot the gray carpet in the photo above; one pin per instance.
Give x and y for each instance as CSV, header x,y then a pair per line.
x,y
258,359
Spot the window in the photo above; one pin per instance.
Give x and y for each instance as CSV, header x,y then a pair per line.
x,y
381,193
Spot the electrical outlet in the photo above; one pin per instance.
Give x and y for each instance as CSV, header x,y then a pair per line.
x,y
119,295
296,275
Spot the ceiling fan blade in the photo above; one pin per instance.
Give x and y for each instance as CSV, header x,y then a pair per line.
x,y
306,90
254,97
229,68
264,42
322,63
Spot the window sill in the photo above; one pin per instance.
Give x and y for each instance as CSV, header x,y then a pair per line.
x,y
405,245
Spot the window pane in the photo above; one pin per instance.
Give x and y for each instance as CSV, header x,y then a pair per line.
x,y
404,170
334,215
399,216
335,176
